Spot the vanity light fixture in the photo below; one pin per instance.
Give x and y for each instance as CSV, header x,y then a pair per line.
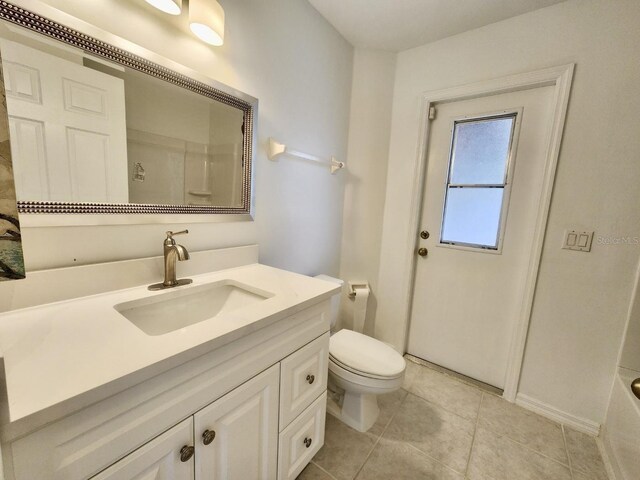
x,y
206,19
172,7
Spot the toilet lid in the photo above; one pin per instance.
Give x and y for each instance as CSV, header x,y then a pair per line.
x,y
365,354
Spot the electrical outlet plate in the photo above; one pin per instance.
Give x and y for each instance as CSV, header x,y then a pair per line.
x,y
577,240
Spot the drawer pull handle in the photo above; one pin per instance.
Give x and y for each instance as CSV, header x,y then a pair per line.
x,y
186,453
208,436
307,442
311,379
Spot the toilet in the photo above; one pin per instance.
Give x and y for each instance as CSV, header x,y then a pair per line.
x,y
360,369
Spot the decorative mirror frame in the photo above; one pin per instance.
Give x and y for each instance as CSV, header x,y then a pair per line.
x,y
93,46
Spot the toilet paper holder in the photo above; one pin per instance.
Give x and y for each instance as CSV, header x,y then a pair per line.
x,y
354,285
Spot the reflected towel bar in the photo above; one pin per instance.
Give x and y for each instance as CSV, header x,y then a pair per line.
x,y
276,149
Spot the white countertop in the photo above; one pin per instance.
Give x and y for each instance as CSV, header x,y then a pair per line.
x,y
59,351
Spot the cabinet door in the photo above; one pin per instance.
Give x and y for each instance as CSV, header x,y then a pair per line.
x,y
237,435
157,460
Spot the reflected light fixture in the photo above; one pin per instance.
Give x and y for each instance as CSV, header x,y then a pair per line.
x,y
206,19
172,7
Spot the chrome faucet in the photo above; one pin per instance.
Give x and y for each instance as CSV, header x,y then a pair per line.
x,y
172,252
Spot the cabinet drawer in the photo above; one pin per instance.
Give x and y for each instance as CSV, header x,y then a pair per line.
x,y
301,440
303,377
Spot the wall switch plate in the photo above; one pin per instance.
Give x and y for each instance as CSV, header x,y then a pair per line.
x,y
577,240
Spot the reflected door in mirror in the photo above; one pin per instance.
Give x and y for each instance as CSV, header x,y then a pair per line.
x,y
68,128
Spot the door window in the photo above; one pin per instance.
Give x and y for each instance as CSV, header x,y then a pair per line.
x,y
477,190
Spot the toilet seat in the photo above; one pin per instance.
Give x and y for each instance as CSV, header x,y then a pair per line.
x,y
365,356
352,370
357,383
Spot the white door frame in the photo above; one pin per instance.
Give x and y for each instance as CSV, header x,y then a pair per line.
x,y
560,78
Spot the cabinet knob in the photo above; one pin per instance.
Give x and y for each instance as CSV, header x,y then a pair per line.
x,y
208,436
311,379
186,453
307,442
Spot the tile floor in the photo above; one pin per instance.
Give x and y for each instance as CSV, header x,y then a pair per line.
x,y
438,427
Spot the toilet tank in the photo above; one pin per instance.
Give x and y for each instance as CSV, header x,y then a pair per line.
x,y
335,300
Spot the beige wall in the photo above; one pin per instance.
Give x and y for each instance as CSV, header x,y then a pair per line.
x,y
285,54
582,298
630,355
366,175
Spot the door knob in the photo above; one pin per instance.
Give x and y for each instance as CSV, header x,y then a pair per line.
x,y
423,252
424,234
635,387
186,453
208,436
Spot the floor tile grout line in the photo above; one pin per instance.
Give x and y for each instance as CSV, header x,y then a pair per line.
x,y
455,379
473,440
325,471
479,390
527,446
586,473
491,430
366,459
566,449
431,457
578,469
459,378
384,430
566,465
439,462
440,406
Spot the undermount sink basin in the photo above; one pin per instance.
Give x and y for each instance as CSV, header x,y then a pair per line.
x,y
167,312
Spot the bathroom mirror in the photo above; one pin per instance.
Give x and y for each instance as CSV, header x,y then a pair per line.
x,y
97,129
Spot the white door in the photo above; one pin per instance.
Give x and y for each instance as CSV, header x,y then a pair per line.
x,y
68,128
237,435
160,459
484,177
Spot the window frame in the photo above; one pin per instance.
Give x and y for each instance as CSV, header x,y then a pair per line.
x,y
516,113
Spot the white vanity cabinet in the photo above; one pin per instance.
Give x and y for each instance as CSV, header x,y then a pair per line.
x,y
252,409
239,440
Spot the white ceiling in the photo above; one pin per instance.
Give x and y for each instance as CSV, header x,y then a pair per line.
x,y
401,24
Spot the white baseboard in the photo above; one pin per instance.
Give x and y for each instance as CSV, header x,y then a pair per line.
x,y
552,413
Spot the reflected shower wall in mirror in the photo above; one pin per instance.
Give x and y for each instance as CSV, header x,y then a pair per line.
x,y
84,129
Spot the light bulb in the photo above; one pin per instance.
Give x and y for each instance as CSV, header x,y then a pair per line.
x,y
206,34
206,19
172,7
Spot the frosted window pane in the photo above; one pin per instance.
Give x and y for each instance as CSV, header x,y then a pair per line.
x,y
472,216
480,151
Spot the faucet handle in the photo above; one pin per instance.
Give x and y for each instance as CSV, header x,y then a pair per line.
x,y
171,234
169,241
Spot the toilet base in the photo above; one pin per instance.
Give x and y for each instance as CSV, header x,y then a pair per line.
x,y
355,396
358,410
